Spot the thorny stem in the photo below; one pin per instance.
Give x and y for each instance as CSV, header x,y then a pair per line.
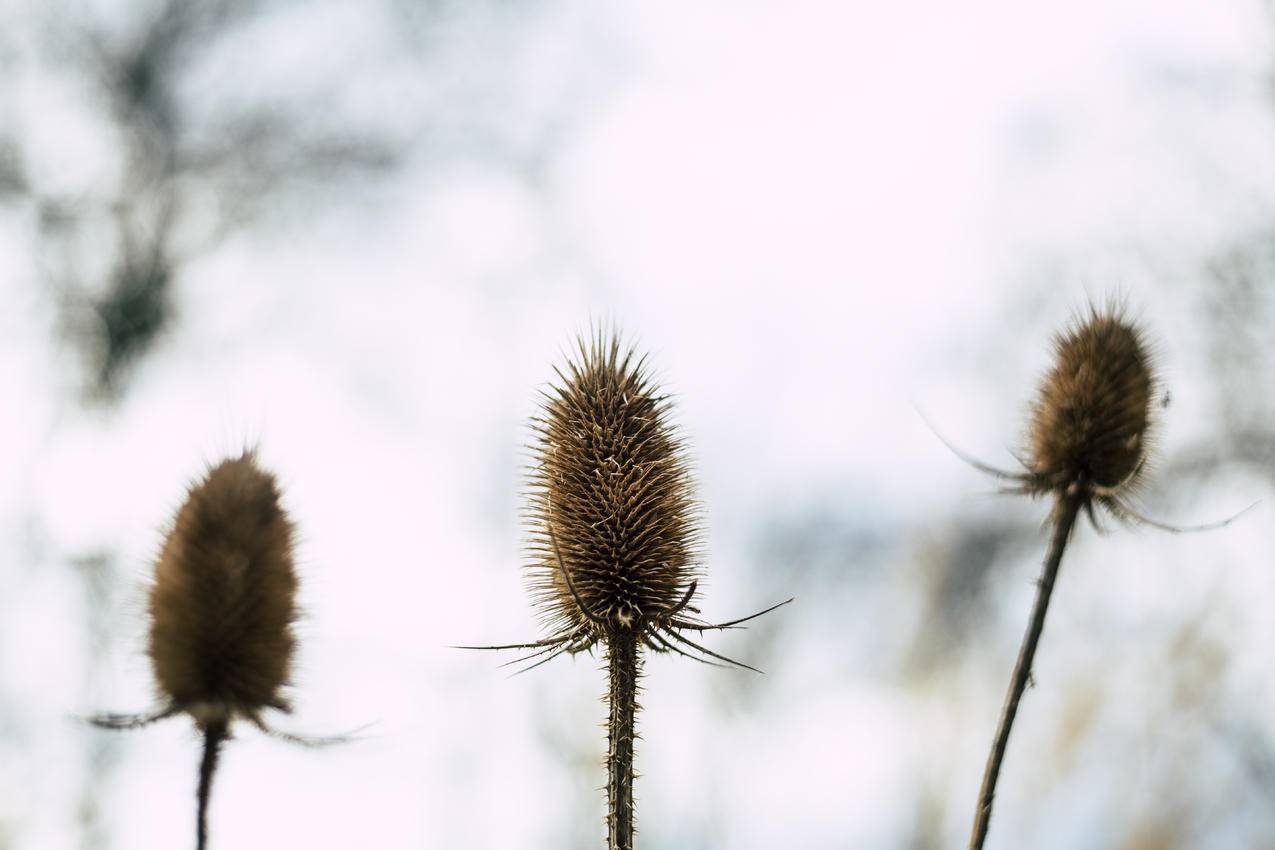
x,y
1068,508
622,658
214,736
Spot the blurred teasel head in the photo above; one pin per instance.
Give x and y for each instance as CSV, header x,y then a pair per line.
x,y
1087,445
223,602
222,608
1090,421
1091,424
1090,427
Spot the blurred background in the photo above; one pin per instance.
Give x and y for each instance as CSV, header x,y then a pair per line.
x,y
357,234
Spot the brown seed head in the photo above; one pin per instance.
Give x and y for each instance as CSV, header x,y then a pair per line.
x,y
1089,423
222,604
611,487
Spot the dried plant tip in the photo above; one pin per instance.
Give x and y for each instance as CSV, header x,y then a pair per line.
x,y
615,528
223,601
614,541
1089,422
1087,447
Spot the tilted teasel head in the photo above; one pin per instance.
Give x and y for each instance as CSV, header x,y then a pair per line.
x,y
1091,426
1087,446
1090,421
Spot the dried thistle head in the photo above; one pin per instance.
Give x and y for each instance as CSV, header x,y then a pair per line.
x,y
611,495
1090,426
223,601
1090,420
222,608
614,539
614,527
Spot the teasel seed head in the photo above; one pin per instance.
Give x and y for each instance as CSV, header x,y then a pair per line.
x,y
1087,445
222,605
614,540
1091,419
615,527
1092,423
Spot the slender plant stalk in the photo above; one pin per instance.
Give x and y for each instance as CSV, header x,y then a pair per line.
x,y
214,735
622,657
1068,509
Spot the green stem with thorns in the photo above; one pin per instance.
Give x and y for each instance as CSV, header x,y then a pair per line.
x,y
622,661
1065,518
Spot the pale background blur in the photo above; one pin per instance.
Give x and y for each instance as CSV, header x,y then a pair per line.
x,y
358,234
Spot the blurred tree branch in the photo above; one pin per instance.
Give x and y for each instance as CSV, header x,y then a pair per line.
x,y
250,158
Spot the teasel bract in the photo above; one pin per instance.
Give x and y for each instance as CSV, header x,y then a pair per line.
x,y
614,539
1087,443
222,607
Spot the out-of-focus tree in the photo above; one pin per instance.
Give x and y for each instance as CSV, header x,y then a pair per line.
x,y
182,164
181,141
139,139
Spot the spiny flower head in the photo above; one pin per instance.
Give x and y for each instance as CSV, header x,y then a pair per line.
x,y
1090,420
223,601
615,529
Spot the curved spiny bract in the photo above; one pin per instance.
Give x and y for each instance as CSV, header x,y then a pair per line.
x,y
223,601
615,527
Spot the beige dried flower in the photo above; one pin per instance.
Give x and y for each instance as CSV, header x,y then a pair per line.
x,y
222,609
1087,446
614,539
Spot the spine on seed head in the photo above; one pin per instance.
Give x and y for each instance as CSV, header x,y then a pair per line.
x,y
222,605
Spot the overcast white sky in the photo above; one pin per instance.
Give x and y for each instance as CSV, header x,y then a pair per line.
x,y
815,217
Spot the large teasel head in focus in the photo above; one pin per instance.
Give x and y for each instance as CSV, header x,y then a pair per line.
x,y
614,526
612,496
614,537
